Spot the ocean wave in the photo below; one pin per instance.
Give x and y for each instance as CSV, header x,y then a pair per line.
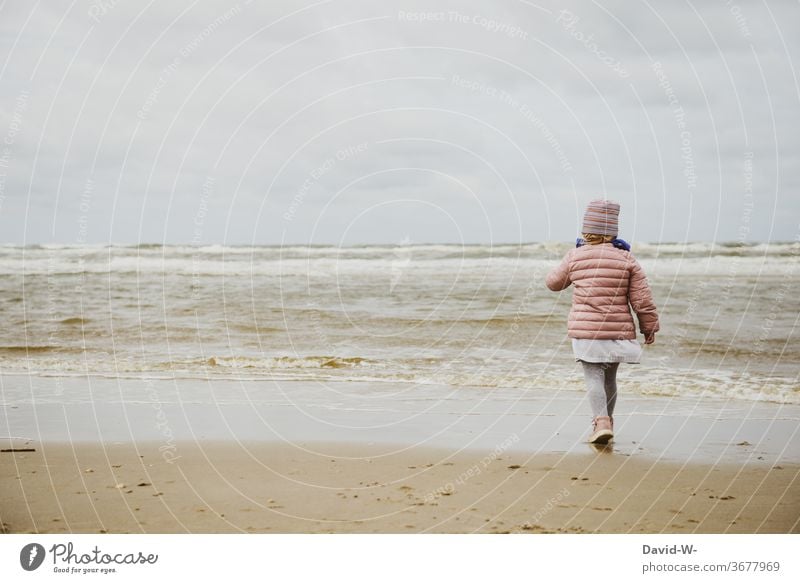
x,y
668,382
31,349
75,321
280,362
418,251
410,269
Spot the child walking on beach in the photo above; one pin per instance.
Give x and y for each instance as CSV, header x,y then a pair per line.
x,y
608,280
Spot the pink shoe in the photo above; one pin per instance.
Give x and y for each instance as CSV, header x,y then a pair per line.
x,y
602,430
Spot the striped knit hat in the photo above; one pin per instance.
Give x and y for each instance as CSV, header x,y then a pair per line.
x,y
601,217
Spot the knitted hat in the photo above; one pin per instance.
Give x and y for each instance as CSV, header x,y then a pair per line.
x,y
601,217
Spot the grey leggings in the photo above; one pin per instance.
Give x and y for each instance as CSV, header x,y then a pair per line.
x,y
601,380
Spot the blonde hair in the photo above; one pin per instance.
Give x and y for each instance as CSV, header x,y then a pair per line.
x,y
594,239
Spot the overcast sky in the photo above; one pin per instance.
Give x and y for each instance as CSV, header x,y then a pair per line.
x,y
360,121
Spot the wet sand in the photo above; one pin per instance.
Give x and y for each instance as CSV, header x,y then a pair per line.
x,y
538,420
324,487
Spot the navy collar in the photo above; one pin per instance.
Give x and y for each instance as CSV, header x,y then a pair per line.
x,y
618,243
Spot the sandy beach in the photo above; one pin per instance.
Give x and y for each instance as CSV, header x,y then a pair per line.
x,y
219,487
288,457
516,486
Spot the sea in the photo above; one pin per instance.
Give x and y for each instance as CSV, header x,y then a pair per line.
x,y
472,317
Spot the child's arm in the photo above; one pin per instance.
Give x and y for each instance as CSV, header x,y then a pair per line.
x,y
558,278
641,300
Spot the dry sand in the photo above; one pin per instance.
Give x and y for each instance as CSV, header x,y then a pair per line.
x,y
219,487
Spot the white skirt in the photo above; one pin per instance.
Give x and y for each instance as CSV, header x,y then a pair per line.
x,y
629,351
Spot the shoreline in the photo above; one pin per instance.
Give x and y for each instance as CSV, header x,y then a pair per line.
x,y
320,487
538,420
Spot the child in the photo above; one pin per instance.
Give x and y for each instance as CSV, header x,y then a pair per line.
x,y
607,279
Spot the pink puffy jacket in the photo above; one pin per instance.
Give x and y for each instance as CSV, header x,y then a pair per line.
x,y
606,280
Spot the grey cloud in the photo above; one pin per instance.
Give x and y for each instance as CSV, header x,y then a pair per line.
x,y
554,107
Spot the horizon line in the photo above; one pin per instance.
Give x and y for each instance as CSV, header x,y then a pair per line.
x,y
727,243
